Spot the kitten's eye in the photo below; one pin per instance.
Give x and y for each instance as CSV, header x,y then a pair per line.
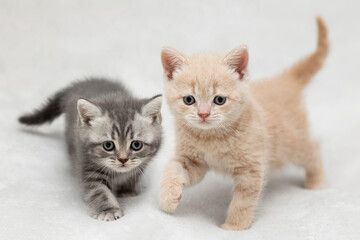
x,y
109,145
189,100
136,145
219,100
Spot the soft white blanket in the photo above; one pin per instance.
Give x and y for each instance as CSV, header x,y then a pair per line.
x,y
44,45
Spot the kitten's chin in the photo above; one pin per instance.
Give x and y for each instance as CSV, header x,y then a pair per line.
x,y
204,125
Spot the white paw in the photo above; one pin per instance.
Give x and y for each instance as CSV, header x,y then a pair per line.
x,y
109,216
170,196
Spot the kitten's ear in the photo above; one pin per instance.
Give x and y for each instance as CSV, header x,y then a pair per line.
x,y
238,60
152,108
171,61
87,111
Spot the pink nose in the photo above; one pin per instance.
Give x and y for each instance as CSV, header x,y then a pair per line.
x,y
203,115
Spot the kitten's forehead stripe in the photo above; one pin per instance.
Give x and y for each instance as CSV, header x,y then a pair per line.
x,y
193,85
129,129
116,130
132,134
113,132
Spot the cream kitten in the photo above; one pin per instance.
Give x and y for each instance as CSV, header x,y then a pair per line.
x,y
240,129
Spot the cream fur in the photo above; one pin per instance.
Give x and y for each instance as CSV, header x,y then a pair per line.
x,y
262,125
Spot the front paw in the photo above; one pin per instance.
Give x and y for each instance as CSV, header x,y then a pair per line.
x,y
170,195
110,215
231,227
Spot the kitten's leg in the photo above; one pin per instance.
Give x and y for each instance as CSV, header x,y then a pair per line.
x,y
248,186
313,167
101,200
179,173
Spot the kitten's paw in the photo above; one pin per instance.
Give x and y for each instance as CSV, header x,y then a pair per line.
x,y
170,196
231,227
314,183
109,215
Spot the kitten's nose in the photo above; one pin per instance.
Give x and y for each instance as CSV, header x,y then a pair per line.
x,y
123,160
203,115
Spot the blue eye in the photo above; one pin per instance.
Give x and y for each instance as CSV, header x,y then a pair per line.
x,y
219,100
136,145
109,145
189,100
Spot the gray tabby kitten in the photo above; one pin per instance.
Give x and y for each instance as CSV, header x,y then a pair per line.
x,y
111,137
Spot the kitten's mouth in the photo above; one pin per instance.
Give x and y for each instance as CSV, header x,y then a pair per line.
x,y
203,121
203,124
123,167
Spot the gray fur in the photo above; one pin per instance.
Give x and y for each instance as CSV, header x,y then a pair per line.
x,y
106,111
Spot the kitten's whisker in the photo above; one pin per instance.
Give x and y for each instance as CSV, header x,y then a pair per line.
x,y
95,171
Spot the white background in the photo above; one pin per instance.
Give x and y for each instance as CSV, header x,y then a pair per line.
x,y
45,45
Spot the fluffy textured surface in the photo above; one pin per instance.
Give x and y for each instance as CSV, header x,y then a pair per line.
x,y
46,45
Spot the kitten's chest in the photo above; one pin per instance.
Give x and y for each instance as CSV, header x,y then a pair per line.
x,y
124,182
217,154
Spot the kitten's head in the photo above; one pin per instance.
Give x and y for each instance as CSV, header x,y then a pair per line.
x,y
121,135
206,91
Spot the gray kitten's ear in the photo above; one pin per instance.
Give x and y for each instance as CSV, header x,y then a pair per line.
x,y
238,60
87,111
171,61
152,108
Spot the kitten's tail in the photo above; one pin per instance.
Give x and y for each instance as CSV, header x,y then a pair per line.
x,y
47,113
304,70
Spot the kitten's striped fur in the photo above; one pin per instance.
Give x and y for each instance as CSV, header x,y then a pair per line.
x,y
99,110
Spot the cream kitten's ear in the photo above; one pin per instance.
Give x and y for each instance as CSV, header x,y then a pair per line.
x,y
152,108
238,60
171,60
87,111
